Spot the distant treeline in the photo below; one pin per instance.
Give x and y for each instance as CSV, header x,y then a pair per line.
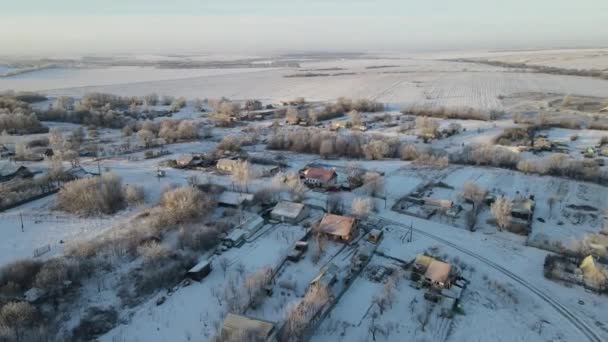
x,y
596,73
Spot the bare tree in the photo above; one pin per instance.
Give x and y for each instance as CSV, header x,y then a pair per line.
x,y
242,173
56,139
427,127
501,210
327,148
355,118
147,137
292,115
374,183
361,207
334,204
423,317
224,264
18,316
551,203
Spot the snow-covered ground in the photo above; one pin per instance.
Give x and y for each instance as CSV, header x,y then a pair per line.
x,y
507,299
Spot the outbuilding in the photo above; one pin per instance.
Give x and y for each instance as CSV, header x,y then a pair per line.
x,y
243,328
200,270
289,212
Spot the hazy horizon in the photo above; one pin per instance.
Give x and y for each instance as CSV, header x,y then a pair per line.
x,y
68,27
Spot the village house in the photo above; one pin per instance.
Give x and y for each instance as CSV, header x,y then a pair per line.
x,y
192,161
228,165
234,199
342,228
320,177
432,272
243,328
289,212
8,172
438,274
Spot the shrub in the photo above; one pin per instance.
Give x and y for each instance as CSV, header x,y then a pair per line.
x,y
427,127
409,152
463,113
362,207
18,276
153,253
198,238
18,317
501,210
148,280
134,194
178,130
55,273
184,204
230,143
225,106
496,156
90,196
298,316
516,136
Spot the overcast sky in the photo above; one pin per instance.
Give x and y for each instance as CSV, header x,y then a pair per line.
x,y
66,27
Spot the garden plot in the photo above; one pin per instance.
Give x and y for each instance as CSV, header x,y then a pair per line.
x,y
355,319
556,200
578,140
46,231
292,280
198,309
491,295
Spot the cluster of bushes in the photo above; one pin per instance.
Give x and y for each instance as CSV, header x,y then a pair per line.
x,y
21,321
555,164
597,73
556,119
170,131
97,195
353,145
15,192
298,316
345,105
464,113
17,117
563,166
142,237
183,206
517,136
295,113
105,110
327,144
486,155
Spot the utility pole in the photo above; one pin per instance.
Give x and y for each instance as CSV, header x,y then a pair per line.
x,y
411,231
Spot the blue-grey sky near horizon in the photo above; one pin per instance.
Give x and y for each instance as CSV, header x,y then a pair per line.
x,y
248,26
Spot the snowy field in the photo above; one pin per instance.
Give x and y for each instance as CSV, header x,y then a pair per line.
x,y
399,81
